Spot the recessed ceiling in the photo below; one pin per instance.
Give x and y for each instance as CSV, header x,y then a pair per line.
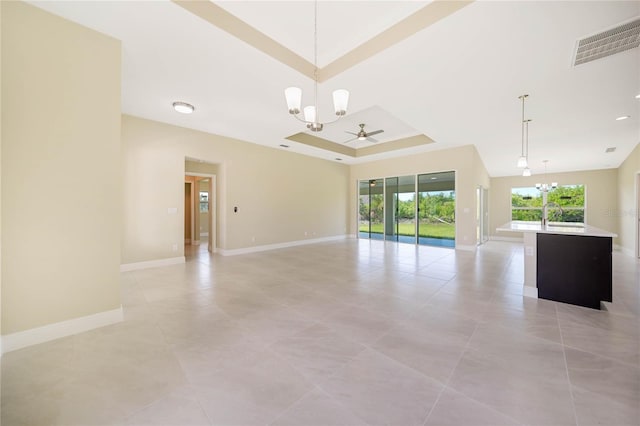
x,y
457,80
339,136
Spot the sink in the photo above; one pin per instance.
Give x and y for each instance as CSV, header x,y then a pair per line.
x,y
565,228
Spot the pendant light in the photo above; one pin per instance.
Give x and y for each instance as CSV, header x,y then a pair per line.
x,y
293,95
523,161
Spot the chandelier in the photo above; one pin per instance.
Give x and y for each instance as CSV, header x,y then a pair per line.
x,y
523,161
293,95
546,187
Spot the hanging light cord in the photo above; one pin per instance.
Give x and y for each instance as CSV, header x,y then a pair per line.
x,y
315,60
526,143
522,128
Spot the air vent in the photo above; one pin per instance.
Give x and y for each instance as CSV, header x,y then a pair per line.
x,y
610,149
607,43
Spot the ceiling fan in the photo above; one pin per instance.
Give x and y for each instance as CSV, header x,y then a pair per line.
x,y
362,135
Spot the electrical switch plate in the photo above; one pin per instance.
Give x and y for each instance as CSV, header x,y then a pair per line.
x,y
172,210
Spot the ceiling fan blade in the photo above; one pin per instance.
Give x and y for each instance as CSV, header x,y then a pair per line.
x,y
372,140
375,132
350,140
351,133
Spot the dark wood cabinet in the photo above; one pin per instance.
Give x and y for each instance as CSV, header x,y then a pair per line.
x,y
574,269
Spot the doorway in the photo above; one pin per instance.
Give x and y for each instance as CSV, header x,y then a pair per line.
x,y
200,210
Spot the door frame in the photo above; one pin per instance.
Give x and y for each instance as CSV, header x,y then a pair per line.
x,y
637,213
212,239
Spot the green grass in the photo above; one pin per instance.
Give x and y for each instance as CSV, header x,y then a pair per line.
x,y
430,230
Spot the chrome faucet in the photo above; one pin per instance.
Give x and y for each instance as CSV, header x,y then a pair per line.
x,y
545,212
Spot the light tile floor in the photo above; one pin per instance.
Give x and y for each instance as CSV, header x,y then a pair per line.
x,y
354,332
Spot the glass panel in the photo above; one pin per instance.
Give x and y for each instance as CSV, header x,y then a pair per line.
x,y
370,208
376,216
436,209
406,209
204,202
570,198
391,205
363,209
526,204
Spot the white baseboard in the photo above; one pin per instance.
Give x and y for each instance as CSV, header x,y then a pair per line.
x,y
624,250
529,291
151,264
507,239
255,249
22,339
466,247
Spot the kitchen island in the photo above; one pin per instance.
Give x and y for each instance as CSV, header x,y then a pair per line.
x,y
566,263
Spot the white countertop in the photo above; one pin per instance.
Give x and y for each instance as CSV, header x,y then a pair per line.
x,y
537,227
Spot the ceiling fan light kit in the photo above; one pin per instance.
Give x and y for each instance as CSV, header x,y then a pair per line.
x,y
362,135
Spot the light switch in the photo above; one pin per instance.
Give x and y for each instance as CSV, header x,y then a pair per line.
x,y
172,210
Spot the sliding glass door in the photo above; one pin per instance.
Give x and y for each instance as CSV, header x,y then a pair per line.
x,y
395,209
436,209
371,209
400,204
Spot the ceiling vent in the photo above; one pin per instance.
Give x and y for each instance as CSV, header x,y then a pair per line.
x,y
607,43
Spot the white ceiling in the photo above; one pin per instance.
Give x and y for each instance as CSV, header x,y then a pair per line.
x,y
457,81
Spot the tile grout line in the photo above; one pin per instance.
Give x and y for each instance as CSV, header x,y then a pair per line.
x,y
315,386
566,366
446,385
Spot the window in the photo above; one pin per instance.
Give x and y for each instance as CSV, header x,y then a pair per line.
x,y
566,204
204,202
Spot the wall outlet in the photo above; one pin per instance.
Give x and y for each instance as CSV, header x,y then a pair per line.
x,y
172,210
305,233
528,251
253,239
174,247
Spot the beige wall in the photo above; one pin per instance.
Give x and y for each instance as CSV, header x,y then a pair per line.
x,y
60,241
280,195
600,197
465,161
627,211
200,167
